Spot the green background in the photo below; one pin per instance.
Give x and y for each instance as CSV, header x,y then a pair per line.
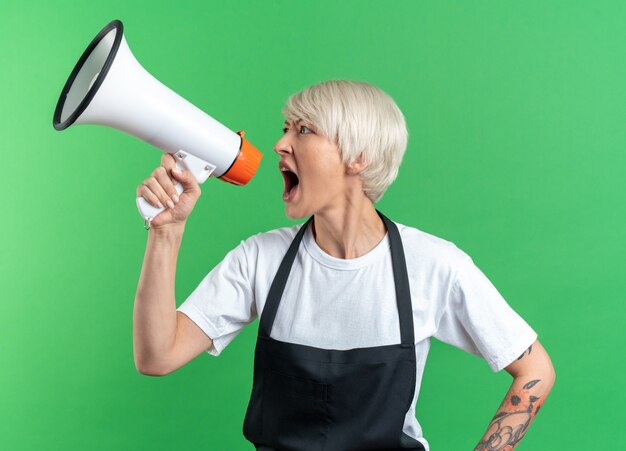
x,y
516,154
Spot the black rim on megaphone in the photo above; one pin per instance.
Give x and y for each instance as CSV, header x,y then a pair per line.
x,y
100,78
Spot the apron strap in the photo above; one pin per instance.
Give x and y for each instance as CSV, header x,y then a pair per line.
x,y
401,279
278,285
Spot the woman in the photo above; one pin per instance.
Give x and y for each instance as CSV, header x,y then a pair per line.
x,y
346,317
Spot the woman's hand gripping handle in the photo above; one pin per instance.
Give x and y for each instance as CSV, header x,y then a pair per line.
x,y
167,197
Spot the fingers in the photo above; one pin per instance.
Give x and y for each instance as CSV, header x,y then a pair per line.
x,y
155,191
188,181
159,189
164,173
167,186
168,161
145,192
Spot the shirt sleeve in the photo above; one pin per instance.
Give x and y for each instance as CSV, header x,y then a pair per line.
x,y
478,320
223,303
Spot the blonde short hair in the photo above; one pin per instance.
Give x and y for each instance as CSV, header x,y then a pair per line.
x,y
362,120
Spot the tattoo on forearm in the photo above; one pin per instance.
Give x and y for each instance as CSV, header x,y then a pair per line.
x,y
524,353
512,420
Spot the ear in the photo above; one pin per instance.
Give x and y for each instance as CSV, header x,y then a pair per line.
x,y
357,166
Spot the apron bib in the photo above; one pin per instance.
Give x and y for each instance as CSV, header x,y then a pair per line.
x,y
312,399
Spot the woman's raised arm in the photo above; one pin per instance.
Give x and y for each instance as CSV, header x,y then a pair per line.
x,y
154,315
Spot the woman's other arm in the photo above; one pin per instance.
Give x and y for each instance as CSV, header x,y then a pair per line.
x,y
533,378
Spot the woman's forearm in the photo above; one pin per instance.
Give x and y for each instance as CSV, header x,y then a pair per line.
x,y
154,315
516,412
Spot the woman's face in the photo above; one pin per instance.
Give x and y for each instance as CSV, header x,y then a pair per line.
x,y
312,169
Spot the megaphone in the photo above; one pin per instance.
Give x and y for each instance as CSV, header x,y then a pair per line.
x,y
109,87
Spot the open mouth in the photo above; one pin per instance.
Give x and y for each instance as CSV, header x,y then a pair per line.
x,y
291,184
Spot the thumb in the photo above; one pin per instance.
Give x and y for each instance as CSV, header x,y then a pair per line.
x,y
187,180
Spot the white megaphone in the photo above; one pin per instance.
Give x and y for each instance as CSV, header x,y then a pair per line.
x,y
109,87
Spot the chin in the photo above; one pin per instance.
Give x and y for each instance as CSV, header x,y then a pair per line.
x,y
293,214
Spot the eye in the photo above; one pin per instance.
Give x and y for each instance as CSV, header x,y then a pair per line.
x,y
305,127
285,130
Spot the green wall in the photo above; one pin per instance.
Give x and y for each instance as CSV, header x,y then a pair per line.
x,y
516,154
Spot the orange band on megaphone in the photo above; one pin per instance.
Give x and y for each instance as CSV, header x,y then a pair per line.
x,y
245,165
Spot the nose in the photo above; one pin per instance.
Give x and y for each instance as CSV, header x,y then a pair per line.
x,y
283,145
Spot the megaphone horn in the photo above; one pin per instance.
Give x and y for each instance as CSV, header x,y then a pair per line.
x,y
109,87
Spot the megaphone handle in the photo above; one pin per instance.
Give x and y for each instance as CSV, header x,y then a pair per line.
x,y
147,211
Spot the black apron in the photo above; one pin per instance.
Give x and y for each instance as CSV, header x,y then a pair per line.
x,y
312,399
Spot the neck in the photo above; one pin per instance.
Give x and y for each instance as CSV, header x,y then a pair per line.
x,y
349,232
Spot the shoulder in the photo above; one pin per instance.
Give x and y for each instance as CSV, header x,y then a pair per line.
x,y
262,251
271,241
425,247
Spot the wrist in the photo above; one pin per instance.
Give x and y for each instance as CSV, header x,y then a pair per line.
x,y
167,231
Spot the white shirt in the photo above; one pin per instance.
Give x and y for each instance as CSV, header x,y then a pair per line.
x,y
333,303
